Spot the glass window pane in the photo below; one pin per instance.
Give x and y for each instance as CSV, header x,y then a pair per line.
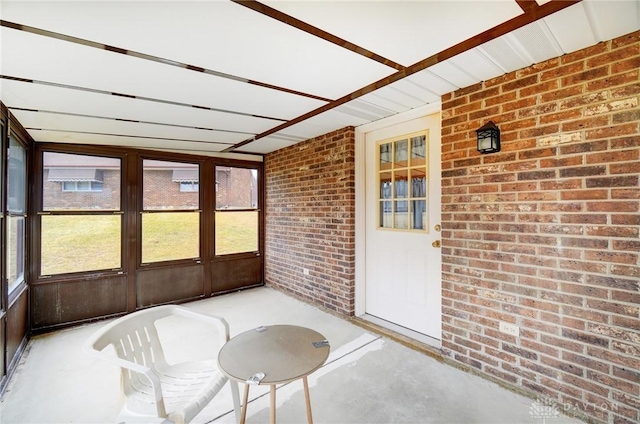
x,y
400,183
236,188
76,243
236,232
385,156
418,183
162,182
80,182
170,236
16,178
418,214
385,215
385,185
15,251
418,151
400,217
401,153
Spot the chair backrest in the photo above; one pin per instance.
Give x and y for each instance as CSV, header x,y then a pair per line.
x,y
135,339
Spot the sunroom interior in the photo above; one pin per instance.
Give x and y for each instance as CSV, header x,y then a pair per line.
x,y
158,152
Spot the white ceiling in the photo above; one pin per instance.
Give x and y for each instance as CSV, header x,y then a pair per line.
x,y
210,77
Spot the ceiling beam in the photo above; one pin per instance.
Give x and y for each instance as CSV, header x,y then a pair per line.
x,y
531,15
315,31
527,5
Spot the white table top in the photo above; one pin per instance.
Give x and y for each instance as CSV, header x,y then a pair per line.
x,y
282,352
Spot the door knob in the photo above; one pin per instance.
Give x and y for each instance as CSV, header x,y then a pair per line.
x,y
436,243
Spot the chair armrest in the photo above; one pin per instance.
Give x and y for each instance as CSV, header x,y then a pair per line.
x,y
219,322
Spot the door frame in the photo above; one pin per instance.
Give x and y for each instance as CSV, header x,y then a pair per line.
x,y
360,176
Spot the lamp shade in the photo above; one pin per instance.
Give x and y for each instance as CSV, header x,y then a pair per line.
x,y
488,138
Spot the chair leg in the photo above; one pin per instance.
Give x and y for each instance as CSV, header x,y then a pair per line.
x,y
235,394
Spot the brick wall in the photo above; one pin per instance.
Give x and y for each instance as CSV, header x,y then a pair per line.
x,y
53,197
161,192
310,220
545,234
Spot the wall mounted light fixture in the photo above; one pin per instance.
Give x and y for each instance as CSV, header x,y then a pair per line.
x,y
488,138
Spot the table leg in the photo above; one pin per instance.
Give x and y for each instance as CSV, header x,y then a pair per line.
x,y
306,397
243,416
272,418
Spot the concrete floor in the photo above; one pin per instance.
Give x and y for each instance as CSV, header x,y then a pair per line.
x,y
367,378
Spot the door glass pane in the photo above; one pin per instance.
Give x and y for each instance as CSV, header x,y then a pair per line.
x,y
418,151
236,188
401,153
385,185
418,214
80,182
401,214
236,232
386,215
400,184
164,185
76,243
385,156
170,236
418,183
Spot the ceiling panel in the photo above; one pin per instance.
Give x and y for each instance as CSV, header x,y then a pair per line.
x,y
403,31
477,64
450,72
78,65
535,42
142,143
613,18
217,35
432,82
318,125
51,121
571,37
16,94
502,53
270,143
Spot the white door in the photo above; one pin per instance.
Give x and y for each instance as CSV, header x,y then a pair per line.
x,y
403,261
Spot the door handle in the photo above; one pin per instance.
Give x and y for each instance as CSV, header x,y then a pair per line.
x,y
436,243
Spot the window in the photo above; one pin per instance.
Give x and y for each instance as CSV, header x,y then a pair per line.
x,y
402,178
81,186
80,218
16,212
236,214
170,215
189,186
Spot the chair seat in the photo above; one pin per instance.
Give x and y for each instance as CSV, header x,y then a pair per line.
x,y
186,388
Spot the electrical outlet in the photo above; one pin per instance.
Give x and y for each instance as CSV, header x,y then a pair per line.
x,y
511,329
305,271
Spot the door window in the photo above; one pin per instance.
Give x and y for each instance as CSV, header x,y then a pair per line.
x,y
402,178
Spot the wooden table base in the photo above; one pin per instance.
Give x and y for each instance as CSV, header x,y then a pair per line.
x,y
272,399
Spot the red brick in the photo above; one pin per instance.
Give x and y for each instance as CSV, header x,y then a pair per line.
x,y
552,222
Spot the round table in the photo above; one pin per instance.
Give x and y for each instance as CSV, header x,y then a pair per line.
x,y
283,353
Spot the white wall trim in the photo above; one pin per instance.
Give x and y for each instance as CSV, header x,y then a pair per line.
x,y
361,166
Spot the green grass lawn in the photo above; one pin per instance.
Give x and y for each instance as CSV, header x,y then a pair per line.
x,y
83,243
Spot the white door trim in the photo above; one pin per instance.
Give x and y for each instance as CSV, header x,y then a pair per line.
x,y
360,163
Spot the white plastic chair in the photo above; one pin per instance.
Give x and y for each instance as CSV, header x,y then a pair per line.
x,y
155,390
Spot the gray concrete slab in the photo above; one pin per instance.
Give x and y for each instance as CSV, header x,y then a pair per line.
x,y
367,378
